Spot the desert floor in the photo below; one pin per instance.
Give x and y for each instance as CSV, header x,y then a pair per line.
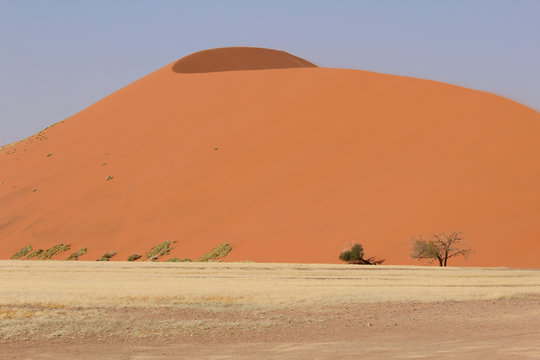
x,y
91,310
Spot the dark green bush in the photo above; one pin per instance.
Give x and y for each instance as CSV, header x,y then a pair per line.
x,y
355,255
133,257
107,256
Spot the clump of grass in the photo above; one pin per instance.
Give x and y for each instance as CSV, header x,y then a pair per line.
x,y
133,257
75,255
179,260
159,250
55,250
23,252
109,178
216,253
49,155
107,256
34,253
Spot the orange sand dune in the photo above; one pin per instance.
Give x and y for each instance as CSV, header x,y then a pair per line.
x,y
286,165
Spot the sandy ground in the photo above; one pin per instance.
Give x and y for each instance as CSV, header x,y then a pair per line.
x,y
327,318
508,329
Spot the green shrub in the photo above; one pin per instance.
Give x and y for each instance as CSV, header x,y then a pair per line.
x,y
216,253
179,260
75,255
107,256
159,250
133,257
355,255
23,252
109,178
34,253
55,250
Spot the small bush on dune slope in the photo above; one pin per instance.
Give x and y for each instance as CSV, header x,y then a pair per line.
x,y
107,256
23,252
133,257
159,250
75,256
216,253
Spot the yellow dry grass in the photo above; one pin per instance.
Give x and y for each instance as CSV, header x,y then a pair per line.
x,y
57,298
251,284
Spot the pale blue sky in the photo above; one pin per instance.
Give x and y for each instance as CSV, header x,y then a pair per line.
x,y
57,57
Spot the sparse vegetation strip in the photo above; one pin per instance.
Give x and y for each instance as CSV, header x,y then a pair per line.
x,y
23,252
217,253
55,250
34,254
159,250
178,260
75,256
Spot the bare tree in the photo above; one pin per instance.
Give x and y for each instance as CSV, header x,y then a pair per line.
x,y
441,247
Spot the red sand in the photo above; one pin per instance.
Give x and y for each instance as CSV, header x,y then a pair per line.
x,y
307,160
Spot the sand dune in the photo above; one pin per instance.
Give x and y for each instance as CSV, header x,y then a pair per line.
x,y
286,165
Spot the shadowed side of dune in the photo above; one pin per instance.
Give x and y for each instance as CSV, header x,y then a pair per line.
x,y
238,58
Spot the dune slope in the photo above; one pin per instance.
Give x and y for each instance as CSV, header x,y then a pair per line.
x,y
286,165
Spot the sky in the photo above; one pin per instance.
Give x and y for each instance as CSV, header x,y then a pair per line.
x,y
58,57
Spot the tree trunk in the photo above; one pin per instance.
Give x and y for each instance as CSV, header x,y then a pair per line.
x,y
445,256
440,261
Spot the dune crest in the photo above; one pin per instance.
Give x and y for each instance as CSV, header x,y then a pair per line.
x,y
238,58
284,166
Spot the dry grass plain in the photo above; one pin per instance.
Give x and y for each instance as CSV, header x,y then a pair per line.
x,y
59,309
